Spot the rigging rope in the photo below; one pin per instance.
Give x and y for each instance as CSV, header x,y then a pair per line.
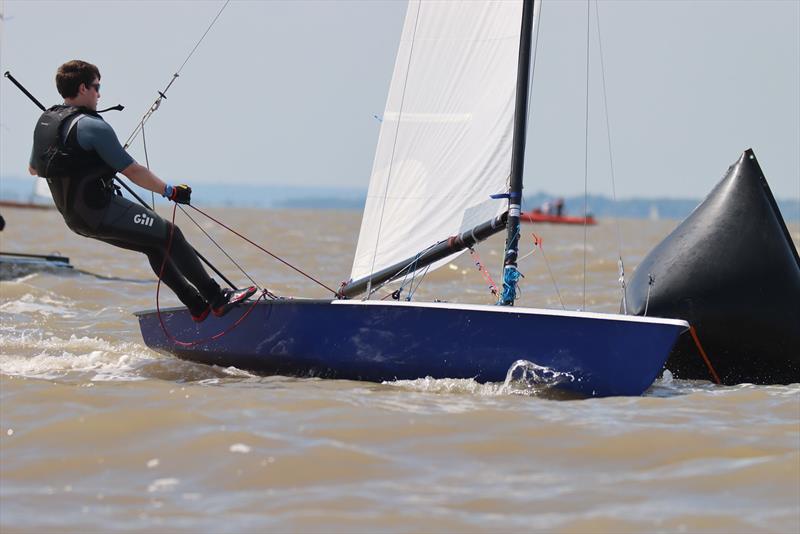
x,y
711,370
158,307
391,158
620,263
410,268
413,288
162,95
586,160
241,269
484,271
147,164
204,36
262,249
538,242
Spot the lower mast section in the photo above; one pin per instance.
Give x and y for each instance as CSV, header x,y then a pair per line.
x,y
510,272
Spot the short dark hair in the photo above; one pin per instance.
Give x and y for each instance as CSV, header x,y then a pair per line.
x,y
72,74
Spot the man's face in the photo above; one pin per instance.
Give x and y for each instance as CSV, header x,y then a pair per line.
x,y
90,94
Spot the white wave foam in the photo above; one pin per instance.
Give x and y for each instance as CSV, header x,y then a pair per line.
x,y
45,305
233,371
522,378
35,354
163,485
21,279
225,372
666,378
447,385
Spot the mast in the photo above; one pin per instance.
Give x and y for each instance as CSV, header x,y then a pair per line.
x,y
510,272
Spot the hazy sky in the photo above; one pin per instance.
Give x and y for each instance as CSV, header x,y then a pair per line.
x,y
285,92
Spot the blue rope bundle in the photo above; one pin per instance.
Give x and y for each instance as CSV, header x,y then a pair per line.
x,y
511,276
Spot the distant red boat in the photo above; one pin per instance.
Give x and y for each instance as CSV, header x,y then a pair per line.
x,y
537,216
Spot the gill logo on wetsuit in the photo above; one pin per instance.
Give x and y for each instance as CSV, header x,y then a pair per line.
x,y
141,218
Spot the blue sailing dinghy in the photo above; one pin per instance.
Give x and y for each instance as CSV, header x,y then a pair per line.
x,y
596,354
447,174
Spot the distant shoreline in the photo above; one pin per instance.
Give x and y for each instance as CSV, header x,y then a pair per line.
x,y
352,199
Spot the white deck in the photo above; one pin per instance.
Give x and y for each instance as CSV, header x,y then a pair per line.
x,y
518,310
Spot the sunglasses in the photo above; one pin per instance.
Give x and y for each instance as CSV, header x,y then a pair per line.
x,y
95,85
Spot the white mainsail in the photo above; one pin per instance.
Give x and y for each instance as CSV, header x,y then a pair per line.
x,y
446,137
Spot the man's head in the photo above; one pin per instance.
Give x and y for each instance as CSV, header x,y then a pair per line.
x,y
79,83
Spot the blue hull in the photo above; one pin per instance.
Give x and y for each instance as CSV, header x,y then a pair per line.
x,y
379,341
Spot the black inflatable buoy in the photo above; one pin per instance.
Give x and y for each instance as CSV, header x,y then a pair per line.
x,y
732,271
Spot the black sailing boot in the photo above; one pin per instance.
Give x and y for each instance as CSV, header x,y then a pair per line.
x,y
199,309
228,298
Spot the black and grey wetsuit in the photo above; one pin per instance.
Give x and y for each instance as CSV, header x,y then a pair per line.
x,y
79,155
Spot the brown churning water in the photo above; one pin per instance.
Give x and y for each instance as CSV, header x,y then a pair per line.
x,y
98,433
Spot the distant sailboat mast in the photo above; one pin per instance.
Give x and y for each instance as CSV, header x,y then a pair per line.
x,y
510,272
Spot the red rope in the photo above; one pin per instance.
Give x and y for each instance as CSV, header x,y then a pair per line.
x,y
484,272
537,241
158,308
703,354
264,250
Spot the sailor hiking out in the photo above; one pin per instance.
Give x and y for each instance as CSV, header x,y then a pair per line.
x,y
79,155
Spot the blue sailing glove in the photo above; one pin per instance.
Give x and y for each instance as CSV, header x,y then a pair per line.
x,y
182,194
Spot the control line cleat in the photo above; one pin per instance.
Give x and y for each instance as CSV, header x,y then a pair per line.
x,y
230,298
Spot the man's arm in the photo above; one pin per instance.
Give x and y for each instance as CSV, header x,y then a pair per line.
x,y
95,134
143,177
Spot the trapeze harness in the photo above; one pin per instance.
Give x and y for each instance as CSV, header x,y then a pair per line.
x,y
80,181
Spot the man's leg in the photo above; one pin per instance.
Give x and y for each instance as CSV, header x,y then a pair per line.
x,y
170,276
134,227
